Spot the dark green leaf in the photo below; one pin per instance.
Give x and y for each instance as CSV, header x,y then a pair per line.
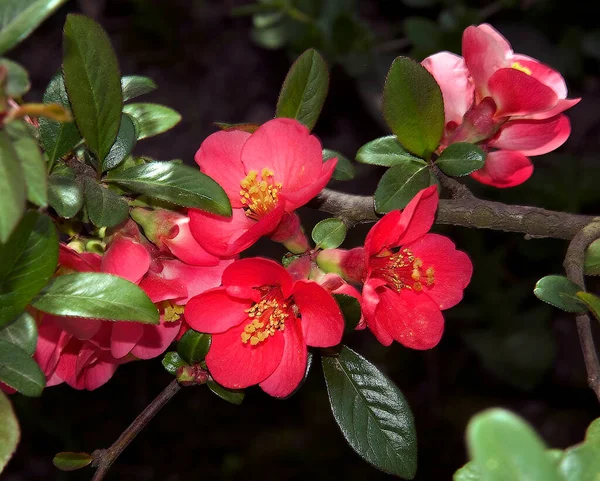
x,y
372,413
560,292
93,82
126,140
344,170
400,184
592,259
17,83
152,119
65,195
13,192
57,138
461,158
33,267
233,396
172,361
582,462
22,333
72,461
18,18
329,233
175,183
413,107
135,85
194,346
385,151
9,431
304,89
20,371
98,296
14,247
105,208
350,309
504,447
591,301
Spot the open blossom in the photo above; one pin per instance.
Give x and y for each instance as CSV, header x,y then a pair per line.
x,y
508,103
266,175
409,275
261,321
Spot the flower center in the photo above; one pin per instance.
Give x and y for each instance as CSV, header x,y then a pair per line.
x,y
402,270
171,312
267,317
259,197
518,66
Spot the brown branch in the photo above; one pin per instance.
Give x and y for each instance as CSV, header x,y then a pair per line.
x,y
574,262
104,458
466,212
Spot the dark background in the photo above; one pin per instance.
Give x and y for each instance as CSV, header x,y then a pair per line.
x,y
502,347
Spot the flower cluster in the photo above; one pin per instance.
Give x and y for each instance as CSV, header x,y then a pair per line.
x,y
509,104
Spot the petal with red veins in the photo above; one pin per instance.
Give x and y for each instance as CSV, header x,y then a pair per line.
x,y
123,337
413,319
286,147
84,262
504,168
290,372
67,365
236,365
383,234
126,258
517,93
543,73
216,311
452,268
418,216
533,137
185,247
156,339
561,106
159,289
498,38
322,320
47,345
299,197
254,272
370,302
220,157
99,374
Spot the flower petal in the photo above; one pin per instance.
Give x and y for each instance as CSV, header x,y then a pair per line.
x,y
84,262
255,272
80,327
504,168
369,306
156,339
383,234
418,216
126,258
159,289
123,337
561,106
185,247
298,198
543,73
215,311
99,374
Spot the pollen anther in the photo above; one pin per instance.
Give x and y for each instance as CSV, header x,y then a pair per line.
x,y
259,196
268,317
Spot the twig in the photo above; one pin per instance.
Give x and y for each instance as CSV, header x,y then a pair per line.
x,y
457,190
104,458
466,212
574,262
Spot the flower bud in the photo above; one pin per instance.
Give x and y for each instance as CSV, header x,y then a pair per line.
x,y
349,264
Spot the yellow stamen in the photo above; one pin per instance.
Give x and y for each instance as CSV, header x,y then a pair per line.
x,y
521,68
267,317
259,196
403,270
171,312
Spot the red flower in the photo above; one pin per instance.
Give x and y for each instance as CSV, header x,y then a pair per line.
x,y
261,321
509,103
266,174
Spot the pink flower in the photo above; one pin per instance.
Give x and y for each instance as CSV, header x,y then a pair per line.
x,y
261,321
508,103
266,174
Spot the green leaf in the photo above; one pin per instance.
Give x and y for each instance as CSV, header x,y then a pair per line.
x,y
17,82
175,183
93,83
21,333
57,138
469,472
592,259
413,107
504,447
591,301
152,119
372,413
172,361
350,309
193,346
233,396
72,461
18,18
9,431
124,144
329,233
304,89
33,266
20,371
460,159
400,184
344,170
558,291
65,195
105,208
14,247
582,462
98,296
385,151
135,85
12,188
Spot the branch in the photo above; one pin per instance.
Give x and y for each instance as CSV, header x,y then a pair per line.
x,y
104,458
466,212
574,262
